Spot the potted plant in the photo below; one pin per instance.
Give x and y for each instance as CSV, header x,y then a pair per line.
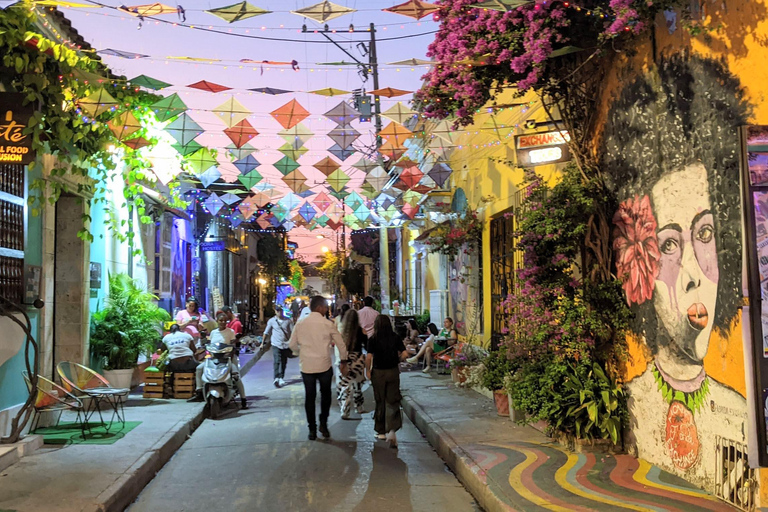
x,y
129,325
516,415
497,368
470,355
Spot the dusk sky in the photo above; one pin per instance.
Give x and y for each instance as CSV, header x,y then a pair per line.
x,y
109,29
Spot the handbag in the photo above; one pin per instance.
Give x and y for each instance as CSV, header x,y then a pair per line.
x,y
287,336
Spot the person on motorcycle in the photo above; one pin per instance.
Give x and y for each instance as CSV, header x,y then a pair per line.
x,y
226,336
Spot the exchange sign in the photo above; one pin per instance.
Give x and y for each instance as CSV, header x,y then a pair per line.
x,y
542,148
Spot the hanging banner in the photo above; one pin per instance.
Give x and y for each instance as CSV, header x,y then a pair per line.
x,y
15,146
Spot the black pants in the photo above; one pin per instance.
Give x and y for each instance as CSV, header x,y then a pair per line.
x,y
176,365
281,359
386,391
310,389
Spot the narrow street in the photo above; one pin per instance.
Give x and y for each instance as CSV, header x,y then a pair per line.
x,y
260,459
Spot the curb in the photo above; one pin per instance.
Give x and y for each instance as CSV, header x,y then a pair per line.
x,y
458,460
118,496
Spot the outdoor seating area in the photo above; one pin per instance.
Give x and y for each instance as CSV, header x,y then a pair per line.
x,y
94,390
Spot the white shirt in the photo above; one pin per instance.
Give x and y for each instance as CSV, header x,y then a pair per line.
x,y
178,344
367,317
304,313
226,336
279,332
313,338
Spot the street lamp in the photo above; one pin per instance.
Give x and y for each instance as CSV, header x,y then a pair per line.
x,y
324,249
262,281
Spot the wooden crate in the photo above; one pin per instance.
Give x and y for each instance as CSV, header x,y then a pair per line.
x,y
153,384
183,385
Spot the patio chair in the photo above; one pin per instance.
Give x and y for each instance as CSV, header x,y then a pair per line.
x,y
86,383
442,358
51,397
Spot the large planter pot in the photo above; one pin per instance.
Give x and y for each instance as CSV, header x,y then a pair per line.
x,y
459,375
514,414
119,378
501,399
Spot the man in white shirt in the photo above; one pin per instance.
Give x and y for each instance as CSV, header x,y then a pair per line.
x,y
313,338
304,313
367,316
279,331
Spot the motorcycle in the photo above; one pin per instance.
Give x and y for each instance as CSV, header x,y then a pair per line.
x,y
220,375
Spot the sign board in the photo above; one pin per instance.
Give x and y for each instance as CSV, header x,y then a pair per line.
x,y
542,148
95,275
218,245
15,146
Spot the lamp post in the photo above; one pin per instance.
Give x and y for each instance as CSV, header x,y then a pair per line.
x,y
262,282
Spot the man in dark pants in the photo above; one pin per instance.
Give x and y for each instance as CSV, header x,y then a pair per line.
x,y
278,332
313,339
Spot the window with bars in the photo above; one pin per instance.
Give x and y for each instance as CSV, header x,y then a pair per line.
x,y
506,260
12,232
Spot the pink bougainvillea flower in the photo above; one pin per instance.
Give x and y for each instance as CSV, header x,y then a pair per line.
x,y
637,248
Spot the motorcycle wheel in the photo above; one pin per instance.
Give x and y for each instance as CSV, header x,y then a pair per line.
x,y
214,407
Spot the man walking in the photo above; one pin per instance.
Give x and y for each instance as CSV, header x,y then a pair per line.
x,y
313,339
278,332
367,316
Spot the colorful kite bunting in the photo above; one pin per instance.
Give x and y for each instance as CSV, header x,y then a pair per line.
x,y
237,12
296,181
344,137
213,203
337,180
201,160
365,165
136,143
329,91
389,92
241,133
250,179
230,198
240,153
396,134
184,129
98,102
247,164
270,90
204,85
411,176
326,166
307,212
119,53
148,83
324,11
399,113
440,173
322,201
341,153
292,152
232,112
188,149
286,165
290,114
123,125
296,136
501,5
342,114
415,9
168,107
209,176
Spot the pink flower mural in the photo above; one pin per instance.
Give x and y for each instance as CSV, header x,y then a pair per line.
x,y
637,248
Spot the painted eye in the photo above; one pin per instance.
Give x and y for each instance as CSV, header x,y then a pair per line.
x,y
669,246
705,233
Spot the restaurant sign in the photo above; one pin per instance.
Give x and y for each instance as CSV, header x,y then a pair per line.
x,y
15,146
542,148
218,245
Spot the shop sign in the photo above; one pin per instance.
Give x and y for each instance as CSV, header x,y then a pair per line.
x,y
219,245
15,146
542,148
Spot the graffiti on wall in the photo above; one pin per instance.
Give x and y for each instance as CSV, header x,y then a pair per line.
x,y
466,291
671,149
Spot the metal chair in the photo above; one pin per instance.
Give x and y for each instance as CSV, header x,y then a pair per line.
x,y
51,397
86,383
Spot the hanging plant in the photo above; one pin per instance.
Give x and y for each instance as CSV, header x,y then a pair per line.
x,y
449,238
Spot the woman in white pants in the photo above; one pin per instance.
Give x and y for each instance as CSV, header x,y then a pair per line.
x,y
350,386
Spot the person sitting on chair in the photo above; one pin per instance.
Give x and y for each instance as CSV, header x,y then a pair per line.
x,y
436,343
181,350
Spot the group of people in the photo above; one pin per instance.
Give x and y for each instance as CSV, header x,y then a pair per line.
x,y
357,345
367,348
185,343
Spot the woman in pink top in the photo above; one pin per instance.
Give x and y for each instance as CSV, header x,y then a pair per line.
x,y
190,320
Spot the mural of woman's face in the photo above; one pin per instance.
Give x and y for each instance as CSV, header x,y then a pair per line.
x,y
685,293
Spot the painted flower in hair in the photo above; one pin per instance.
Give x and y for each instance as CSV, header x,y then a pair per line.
x,y
637,248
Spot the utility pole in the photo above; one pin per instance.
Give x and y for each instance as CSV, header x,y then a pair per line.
x,y
374,63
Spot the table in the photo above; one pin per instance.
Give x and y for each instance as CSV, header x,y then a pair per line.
x,y
113,397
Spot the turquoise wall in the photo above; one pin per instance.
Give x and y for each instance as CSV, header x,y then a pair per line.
x,y
13,390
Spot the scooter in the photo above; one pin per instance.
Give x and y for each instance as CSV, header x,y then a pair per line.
x,y
219,377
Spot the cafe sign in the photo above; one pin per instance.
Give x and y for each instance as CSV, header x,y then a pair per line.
x,y
542,148
15,146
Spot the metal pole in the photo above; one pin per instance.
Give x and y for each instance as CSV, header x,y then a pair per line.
x,y
374,66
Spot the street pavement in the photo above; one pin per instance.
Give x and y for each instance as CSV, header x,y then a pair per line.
x,y
260,459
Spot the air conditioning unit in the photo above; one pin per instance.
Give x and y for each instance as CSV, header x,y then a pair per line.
x,y
438,306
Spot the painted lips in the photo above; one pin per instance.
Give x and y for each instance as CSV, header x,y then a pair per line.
x,y
698,316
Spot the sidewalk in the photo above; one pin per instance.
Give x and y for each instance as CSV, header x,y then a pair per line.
x,y
510,467
103,478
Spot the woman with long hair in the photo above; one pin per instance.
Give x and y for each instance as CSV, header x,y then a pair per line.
x,y
437,342
385,352
349,386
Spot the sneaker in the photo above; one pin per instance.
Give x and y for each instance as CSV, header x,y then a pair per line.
x,y
359,410
244,404
324,430
412,360
312,435
345,416
391,438
277,383
426,370
281,382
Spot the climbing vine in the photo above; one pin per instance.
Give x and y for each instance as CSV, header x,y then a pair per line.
x,y
54,79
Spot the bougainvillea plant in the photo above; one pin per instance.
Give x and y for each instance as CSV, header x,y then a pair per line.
x,y
480,52
463,234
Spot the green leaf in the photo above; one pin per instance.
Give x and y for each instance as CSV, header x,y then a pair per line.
x,y
592,411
